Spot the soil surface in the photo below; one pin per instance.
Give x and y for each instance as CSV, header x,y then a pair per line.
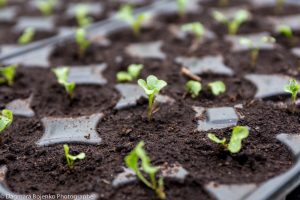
x,y
171,136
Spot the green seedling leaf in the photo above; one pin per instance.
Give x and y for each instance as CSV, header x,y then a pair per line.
x,y
285,31
27,36
293,88
238,134
62,75
3,3
8,74
132,73
46,6
195,28
181,7
193,88
81,13
217,87
151,87
126,14
70,158
132,162
6,118
82,42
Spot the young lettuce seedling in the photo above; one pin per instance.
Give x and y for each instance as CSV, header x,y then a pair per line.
x,y
82,42
132,162
285,31
46,6
233,25
217,87
27,36
6,118
70,158
83,20
255,48
151,87
62,75
132,73
293,88
181,7
235,144
7,74
197,29
126,14
3,3
193,88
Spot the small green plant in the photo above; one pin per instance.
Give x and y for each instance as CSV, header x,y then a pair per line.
x,y
27,36
70,158
279,6
3,3
126,14
151,87
235,144
181,7
285,31
254,48
293,88
46,6
82,42
7,74
217,87
196,28
223,2
132,73
132,162
233,25
62,75
193,88
81,13
6,118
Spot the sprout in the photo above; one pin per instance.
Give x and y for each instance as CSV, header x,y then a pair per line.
x,y
46,6
126,14
293,88
195,28
132,162
6,118
223,2
193,88
232,24
217,87
181,7
62,75
71,159
3,3
151,88
8,74
27,36
286,31
82,17
279,5
255,47
82,42
132,73
235,144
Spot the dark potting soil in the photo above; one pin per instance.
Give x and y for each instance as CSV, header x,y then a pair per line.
x,y
170,137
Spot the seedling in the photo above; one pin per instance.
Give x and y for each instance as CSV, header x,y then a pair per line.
x,y
279,5
7,74
70,158
132,73
126,14
82,42
151,87
6,118
197,29
46,6
254,47
193,88
293,88
181,7
3,3
82,17
285,31
27,36
217,87
132,162
233,25
235,144
62,75
223,2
